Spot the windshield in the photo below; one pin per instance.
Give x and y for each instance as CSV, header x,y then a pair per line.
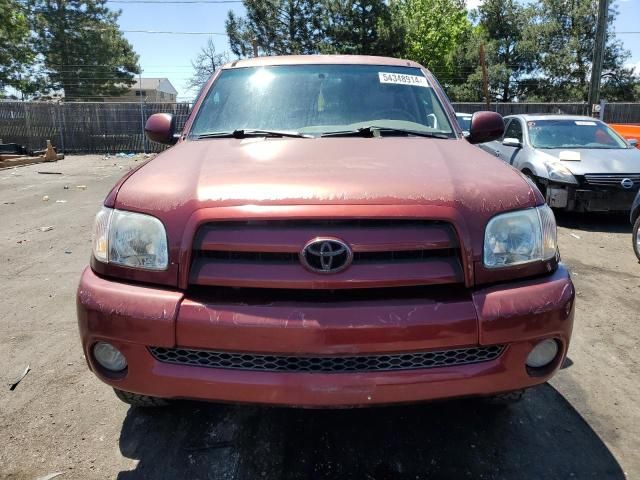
x,y
573,134
319,99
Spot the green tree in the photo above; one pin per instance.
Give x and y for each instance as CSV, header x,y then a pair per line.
x,y
434,29
205,65
360,27
275,27
564,31
16,53
84,53
510,57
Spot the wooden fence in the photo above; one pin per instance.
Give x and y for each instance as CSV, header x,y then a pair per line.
x,y
84,126
119,127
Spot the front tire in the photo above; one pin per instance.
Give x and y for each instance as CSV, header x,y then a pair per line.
x,y
635,238
140,401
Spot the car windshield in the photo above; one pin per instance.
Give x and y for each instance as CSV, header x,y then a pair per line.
x,y
573,134
320,99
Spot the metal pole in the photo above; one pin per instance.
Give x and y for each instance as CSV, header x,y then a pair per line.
x,y
60,108
144,140
598,54
485,77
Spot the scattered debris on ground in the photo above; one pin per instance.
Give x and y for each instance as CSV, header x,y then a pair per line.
x,y
50,476
14,384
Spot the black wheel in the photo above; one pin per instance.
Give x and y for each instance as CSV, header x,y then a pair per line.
x,y
143,401
636,237
507,398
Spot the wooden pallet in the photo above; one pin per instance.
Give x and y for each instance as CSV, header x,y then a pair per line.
x,y
9,161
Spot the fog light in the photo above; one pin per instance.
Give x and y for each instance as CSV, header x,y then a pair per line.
x,y
542,354
109,357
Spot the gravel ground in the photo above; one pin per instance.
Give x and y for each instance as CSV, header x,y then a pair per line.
x,y
60,418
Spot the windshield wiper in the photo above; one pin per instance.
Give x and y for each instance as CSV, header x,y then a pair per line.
x,y
373,131
253,132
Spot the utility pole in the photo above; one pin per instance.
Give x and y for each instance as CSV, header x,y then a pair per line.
x,y
485,77
144,137
598,54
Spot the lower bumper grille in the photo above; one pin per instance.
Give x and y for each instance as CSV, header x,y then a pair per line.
x,y
343,364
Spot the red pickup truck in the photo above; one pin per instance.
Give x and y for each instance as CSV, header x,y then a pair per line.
x,y
323,235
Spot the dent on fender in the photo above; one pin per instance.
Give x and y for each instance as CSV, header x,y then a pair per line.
x,y
526,309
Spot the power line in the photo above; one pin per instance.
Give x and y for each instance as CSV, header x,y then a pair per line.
x,y
175,2
166,32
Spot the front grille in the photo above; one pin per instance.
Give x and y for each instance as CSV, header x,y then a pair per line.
x,y
611,180
342,364
266,254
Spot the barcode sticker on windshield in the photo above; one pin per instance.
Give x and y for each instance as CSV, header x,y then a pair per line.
x,y
402,79
585,124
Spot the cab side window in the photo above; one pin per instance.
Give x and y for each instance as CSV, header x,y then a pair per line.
x,y
514,130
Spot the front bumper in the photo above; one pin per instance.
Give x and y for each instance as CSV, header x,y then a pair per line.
x,y
517,314
589,198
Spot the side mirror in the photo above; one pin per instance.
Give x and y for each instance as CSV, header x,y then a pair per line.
x,y
633,142
485,127
160,128
512,142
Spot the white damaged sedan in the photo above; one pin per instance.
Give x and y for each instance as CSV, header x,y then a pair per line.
x,y
578,163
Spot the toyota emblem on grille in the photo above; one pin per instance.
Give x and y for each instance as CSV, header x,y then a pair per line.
x,y
626,183
326,255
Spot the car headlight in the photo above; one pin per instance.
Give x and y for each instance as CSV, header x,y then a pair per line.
x,y
559,173
519,237
130,239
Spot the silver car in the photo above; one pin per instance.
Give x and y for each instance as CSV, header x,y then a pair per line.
x,y
578,163
464,120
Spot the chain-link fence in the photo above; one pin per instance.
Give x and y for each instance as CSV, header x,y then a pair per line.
x,y
613,112
84,126
119,127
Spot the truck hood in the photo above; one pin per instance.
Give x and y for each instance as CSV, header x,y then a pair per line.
x,y
593,160
368,171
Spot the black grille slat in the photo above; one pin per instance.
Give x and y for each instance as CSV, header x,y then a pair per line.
x,y
293,258
342,364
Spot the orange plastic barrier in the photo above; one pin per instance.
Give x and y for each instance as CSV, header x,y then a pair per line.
x,y
627,130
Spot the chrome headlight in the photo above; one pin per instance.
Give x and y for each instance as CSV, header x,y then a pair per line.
x,y
559,173
130,239
519,237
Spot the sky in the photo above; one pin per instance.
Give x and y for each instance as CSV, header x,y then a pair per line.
x,y
170,55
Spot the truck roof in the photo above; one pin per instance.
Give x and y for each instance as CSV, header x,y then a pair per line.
x,y
320,60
